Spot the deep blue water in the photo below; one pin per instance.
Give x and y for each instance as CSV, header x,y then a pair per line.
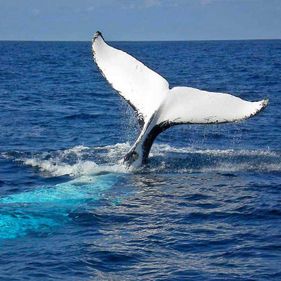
x,y
206,207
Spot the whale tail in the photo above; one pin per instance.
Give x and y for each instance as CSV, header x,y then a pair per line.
x,y
157,106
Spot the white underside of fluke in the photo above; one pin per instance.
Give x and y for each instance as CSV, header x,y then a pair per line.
x,y
157,105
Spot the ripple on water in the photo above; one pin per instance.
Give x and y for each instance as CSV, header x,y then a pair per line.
x,y
205,207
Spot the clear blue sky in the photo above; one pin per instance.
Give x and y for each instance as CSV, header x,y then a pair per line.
x,y
140,19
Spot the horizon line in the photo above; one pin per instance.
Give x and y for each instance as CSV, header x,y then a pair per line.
x,y
177,40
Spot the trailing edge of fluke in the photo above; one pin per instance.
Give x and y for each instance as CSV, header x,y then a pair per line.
x,y
157,106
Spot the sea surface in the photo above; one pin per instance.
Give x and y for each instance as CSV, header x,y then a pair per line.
x,y
207,206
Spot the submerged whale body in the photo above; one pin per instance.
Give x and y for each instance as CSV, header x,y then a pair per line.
x,y
157,106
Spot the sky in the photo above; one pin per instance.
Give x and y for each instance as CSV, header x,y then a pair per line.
x,y
138,20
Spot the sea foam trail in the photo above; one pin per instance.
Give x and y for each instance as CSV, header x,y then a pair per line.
x,y
45,208
160,149
77,161
82,160
80,168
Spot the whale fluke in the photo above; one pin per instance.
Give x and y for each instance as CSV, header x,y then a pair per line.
x,y
157,106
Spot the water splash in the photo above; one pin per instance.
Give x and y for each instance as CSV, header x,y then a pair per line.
x,y
77,161
81,160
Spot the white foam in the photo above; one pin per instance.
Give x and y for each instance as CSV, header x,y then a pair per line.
x,y
75,161
224,160
78,169
56,163
117,150
76,149
234,167
161,149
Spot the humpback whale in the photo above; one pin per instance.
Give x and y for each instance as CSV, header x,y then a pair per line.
x,y
156,105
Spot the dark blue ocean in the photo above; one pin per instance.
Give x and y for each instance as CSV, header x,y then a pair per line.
x,y
207,206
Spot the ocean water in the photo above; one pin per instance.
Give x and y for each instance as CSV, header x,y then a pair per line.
x,y
207,206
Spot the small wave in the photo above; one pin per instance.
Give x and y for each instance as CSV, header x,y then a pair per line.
x,y
191,159
234,168
83,116
76,149
118,150
161,149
